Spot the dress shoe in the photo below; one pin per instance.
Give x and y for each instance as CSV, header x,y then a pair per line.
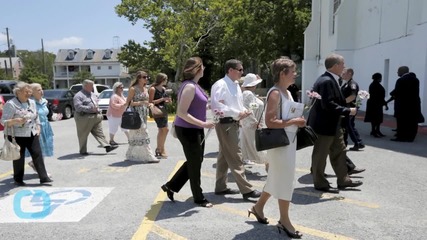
x,y
228,191
380,134
169,192
350,184
327,189
356,171
46,181
20,183
253,194
110,148
296,234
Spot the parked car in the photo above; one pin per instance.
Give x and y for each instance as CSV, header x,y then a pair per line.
x,y
60,101
104,99
97,88
6,89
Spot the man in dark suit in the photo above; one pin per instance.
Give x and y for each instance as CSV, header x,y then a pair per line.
x,y
325,119
407,105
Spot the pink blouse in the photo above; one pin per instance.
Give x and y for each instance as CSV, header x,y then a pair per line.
x,y
117,106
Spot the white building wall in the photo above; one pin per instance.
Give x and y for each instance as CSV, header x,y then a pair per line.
x,y
373,36
104,71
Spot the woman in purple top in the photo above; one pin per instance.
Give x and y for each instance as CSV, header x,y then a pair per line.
x,y
189,125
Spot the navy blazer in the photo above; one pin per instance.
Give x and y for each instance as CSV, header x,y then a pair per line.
x,y
325,115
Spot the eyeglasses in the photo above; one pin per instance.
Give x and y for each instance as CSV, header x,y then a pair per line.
x,y
240,70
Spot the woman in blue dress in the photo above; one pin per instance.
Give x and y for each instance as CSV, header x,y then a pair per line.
x,y
46,133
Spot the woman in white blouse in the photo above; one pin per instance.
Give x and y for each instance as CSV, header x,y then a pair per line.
x,y
253,121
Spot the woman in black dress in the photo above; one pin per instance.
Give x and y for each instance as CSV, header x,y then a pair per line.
x,y
374,107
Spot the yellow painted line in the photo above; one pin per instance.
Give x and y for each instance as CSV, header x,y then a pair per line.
x,y
166,234
325,196
6,174
149,218
9,173
302,229
83,170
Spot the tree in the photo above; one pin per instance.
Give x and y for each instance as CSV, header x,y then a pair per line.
x,y
254,31
34,70
82,75
177,26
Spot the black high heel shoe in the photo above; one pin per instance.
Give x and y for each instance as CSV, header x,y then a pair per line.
x,y
258,218
380,134
290,234
374,134
157,152
169,192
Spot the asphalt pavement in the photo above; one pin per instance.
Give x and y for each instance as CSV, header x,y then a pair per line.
x,y
102,196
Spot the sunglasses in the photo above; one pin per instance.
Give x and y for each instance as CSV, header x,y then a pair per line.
x,y
120,87
240,70
144,77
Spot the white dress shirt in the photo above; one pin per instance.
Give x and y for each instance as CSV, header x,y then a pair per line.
x,y
226,96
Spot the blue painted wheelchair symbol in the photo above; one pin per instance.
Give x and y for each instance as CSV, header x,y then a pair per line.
x,y
43,199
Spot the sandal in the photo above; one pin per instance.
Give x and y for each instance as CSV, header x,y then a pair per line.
x,y
204,203
258,217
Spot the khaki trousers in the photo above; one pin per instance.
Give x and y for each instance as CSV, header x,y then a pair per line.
x,y
230,157
89,123
334,147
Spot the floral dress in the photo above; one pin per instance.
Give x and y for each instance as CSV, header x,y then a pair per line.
x,y
139,141
46,133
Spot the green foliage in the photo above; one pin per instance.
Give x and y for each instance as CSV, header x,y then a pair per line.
x,y
34,71
82,75
254,31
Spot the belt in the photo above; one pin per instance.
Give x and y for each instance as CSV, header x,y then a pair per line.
x,y
227,120
86,113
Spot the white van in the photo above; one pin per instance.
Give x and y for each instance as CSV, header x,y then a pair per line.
x,y
97,88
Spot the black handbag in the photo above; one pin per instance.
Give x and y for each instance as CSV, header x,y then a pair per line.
x,y
131,120
306,137
268,138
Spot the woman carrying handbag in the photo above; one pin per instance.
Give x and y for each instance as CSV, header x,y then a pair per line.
x,y
281,174
20,113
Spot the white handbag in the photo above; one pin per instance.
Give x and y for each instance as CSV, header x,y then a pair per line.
x,y
11,150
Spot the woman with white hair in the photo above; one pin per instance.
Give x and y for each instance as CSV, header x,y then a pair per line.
x,y
252,122
115,111
46,133
20,114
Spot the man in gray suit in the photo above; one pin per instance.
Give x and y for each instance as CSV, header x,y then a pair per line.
x,y
88,118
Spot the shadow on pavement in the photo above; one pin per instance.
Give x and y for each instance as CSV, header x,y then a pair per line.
x,y
314,198
211,155
260,231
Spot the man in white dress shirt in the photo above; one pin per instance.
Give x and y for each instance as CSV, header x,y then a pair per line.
x,y
227,98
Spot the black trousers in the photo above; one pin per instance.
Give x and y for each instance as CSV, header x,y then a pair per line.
x,y
33,145
350,130
190,139
407,127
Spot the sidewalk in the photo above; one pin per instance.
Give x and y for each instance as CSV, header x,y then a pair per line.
x,y
390,121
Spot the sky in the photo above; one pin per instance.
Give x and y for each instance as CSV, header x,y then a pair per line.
x,y
66,24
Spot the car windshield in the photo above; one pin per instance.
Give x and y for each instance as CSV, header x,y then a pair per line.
x,y
76,88
105,94
53,93
109,93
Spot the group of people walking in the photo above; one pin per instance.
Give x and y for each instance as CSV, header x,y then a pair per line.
x,y
241,113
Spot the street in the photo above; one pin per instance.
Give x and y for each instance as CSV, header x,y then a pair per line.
x,y
102,196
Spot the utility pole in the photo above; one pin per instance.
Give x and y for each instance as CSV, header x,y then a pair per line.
x,y
44,65
10,52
